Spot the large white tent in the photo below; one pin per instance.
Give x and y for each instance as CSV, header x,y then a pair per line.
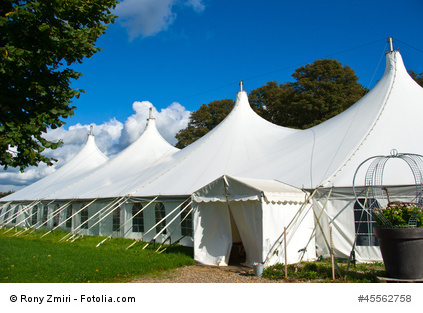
x,y
28,198
321,159
86,160
251,214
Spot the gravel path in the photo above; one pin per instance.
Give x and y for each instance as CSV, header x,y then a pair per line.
x,y
206,274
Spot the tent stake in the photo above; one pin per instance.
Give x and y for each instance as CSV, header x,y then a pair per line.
x,y
331,252
286,258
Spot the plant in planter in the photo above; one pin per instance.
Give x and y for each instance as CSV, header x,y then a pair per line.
x,y
399,214
400,235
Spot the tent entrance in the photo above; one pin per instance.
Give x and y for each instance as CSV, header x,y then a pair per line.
x,y
237,255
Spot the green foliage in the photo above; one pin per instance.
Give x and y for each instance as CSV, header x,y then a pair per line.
x,y
39,40
398,214
321,271
203,120
4,194
321,91
29,259
417,77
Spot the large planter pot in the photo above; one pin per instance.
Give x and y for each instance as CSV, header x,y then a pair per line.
x,y
402,251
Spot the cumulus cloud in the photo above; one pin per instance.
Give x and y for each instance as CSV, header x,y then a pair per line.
x,y
148,17
111,138
168,121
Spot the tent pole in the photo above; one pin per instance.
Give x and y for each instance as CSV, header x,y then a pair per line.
x,y
83,207
71,216
154,226
26,208
317,221
113,207
170,235
164,228
15,215
3,206
286,257
110,236
297,215
331,253
54,214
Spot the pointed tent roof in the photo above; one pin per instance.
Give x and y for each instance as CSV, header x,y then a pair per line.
x,y
245,145
386,118
120,174
89,158
230,148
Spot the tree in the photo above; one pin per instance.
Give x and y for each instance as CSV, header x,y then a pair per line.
x,y
39,40
417,77
321,90
203,120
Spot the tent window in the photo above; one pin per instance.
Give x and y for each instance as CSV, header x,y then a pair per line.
x,y
364,223
7,213
68,217
138,218
15,214
45,213
160,213
34,217
116,219
56,215
186,225
84,218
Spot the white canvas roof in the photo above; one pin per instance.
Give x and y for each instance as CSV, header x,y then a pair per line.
x,y
245,145
121,174
89,158
386,118
228,188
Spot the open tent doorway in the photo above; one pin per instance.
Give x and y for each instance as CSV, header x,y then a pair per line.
x,y
251,212
237,255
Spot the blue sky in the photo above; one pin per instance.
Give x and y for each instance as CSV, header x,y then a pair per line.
x,y
206,50
178,54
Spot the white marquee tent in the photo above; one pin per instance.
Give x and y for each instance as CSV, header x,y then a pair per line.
x,y
251,213
86,160
321,159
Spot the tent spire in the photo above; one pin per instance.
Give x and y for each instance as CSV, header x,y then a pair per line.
x,y
240,84
150,114
91,130
391,45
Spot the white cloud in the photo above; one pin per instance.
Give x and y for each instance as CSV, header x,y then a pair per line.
x,y
149,17
168,121
111,138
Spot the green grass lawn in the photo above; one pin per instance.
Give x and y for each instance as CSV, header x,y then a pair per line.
x,y
31,259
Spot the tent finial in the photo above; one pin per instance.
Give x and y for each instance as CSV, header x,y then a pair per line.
x,y
391,45
150,114
240,84
91,130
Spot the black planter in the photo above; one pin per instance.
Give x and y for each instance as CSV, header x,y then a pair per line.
x,y
402,251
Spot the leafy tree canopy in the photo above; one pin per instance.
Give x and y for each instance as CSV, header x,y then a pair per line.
x,y
39,40
417,77
321,90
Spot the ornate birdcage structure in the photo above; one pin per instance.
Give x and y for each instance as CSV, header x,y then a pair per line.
x,y
376,194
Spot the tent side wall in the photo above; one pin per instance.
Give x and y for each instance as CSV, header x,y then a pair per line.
x,y
212,233
351,225
299,223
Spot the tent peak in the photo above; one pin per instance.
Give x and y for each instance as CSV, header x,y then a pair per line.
x,y
150,114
